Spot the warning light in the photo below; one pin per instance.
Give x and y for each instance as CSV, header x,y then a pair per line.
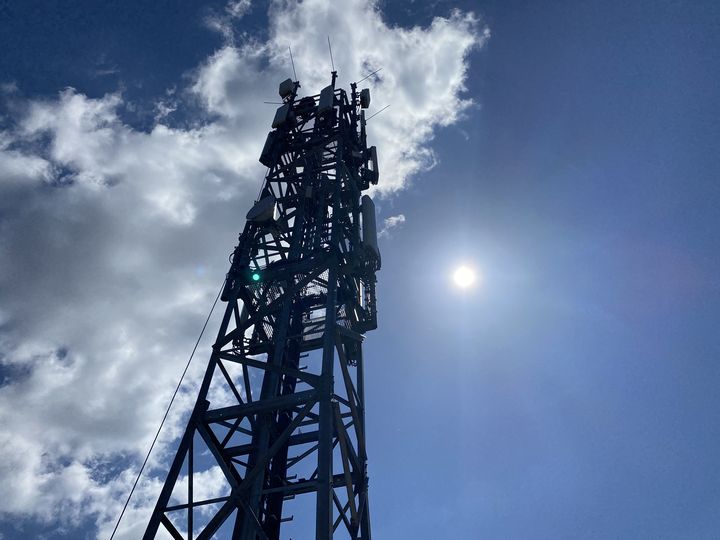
x,y
256,276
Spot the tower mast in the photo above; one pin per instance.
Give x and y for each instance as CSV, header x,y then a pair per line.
x,y
271,427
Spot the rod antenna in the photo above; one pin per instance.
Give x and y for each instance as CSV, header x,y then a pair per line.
x,y
293,63
332,62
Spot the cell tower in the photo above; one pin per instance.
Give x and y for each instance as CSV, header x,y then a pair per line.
x,y
300,295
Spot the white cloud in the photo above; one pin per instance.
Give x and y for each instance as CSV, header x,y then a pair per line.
x,y
16,166
225,22
391,223
104,227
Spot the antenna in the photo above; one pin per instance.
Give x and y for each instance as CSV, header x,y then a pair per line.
x,y
332,63
293,63
261,455
374,115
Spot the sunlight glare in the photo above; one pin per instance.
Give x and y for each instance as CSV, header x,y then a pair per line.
x,y
464,277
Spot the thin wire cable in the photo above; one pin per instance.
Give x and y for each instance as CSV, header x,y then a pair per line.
x,y
167,411
369,75
381,110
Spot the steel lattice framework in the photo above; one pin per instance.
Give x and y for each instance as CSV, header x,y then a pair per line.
x,y
300,295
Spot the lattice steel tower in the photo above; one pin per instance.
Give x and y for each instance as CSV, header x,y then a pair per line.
x,y
300,295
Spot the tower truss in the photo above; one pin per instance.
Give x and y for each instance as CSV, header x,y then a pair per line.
x,y
279,422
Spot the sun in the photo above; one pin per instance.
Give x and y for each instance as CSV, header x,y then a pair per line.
x,y
464,276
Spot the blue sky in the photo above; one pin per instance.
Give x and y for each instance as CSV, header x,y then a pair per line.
x,y
572,394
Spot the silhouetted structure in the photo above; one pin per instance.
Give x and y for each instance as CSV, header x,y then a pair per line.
x,y
300,295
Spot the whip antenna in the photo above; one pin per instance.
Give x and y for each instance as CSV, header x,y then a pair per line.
x,y
332,63
293,63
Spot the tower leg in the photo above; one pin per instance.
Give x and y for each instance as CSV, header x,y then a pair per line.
x,y
324,513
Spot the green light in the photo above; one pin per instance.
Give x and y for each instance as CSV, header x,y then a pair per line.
x,y
256,276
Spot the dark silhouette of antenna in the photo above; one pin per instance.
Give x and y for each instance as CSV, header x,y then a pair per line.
x,y
300,296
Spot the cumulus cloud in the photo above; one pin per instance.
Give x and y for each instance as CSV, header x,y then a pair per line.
x,y
114,241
